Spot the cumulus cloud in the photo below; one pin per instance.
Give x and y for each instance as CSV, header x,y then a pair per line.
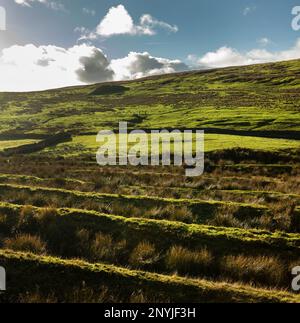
x,y
119,22
227,56
26,68
116,22
137,65
30,67
48,3
224,56
94,67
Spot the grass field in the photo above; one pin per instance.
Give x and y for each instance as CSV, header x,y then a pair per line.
x,y
74,231
88,145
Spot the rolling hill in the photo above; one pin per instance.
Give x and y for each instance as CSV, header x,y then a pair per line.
x,y
72,231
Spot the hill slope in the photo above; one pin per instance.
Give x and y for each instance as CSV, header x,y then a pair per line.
x,y
151,234
252,98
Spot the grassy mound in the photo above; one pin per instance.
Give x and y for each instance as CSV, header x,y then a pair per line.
x,y
58,276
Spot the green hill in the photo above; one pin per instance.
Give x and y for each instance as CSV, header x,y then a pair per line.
x,y
259,97
252,101
151,234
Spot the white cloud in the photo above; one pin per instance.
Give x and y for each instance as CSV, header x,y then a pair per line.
x,y
137,65
224,56
116,22
119,22
227,56
48,3
26,68
148,22
30,67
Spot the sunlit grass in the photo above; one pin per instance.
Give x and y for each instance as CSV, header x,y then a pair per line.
x,y
88,144
15,143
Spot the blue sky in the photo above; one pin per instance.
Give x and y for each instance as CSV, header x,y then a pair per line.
x,y
198,33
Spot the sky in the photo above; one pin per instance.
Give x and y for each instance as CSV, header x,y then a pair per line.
x,y
55,43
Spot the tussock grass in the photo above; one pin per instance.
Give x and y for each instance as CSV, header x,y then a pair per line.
x,y
158,245
144,255
103,247
27,243
67,275
264,270
159,231
185,262
184,210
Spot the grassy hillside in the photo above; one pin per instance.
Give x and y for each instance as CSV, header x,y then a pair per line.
x,y
151,234
252,101
260,97
229,229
